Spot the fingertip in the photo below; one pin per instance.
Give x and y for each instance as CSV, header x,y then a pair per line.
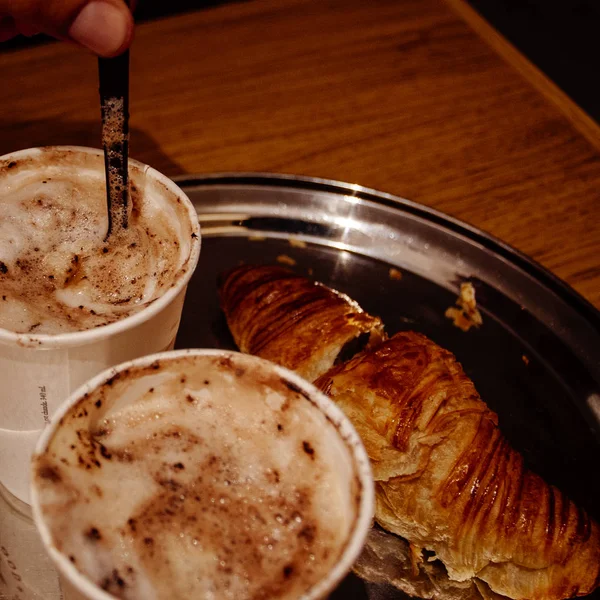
x,y
104,27
128,36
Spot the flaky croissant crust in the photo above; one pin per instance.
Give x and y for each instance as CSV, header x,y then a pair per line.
x,y
302,325
448,481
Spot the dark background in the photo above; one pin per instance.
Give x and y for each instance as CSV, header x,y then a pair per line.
x,y
561,37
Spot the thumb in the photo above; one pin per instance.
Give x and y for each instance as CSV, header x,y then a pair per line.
x,y
103,26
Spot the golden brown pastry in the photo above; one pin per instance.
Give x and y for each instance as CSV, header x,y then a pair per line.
x,y
449,482
446,479
291,320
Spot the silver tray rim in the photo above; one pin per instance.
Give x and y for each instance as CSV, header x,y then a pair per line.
x,y
495,245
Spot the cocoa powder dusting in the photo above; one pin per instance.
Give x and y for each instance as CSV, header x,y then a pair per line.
x,y
212,488
63,277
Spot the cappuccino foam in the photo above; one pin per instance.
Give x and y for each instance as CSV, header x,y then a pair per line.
x,y
198,477
57,272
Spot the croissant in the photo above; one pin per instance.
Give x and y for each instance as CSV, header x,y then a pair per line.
x,y
285,318
446,479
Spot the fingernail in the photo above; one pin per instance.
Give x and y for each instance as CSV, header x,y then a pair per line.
x,y
100,27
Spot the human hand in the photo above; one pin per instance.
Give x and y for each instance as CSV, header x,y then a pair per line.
x,y
103,26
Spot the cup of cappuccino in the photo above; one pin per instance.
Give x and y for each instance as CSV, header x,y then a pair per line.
x,y
201,474
72,301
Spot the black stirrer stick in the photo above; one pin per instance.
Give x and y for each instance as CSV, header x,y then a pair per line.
x,y
114,100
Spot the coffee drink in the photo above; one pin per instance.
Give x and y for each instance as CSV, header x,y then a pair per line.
x,y
201,475
73,303
58,273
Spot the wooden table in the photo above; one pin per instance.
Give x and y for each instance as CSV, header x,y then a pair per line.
x,y
420,98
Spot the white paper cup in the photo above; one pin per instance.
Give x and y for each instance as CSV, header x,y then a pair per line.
x,y
355,466
40,371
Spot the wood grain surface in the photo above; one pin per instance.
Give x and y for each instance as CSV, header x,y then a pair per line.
x,y
418,98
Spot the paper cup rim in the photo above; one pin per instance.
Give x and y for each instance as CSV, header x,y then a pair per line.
x,y
344,428
79,338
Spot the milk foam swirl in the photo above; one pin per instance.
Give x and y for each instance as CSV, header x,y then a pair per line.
x,y
198,477
57,273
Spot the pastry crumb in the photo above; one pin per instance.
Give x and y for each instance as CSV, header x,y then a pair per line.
x,y
395,274
465,314
284,259
295,243
256,238
416,558
525,359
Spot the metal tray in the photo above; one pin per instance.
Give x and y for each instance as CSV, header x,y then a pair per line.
x,y
535,359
